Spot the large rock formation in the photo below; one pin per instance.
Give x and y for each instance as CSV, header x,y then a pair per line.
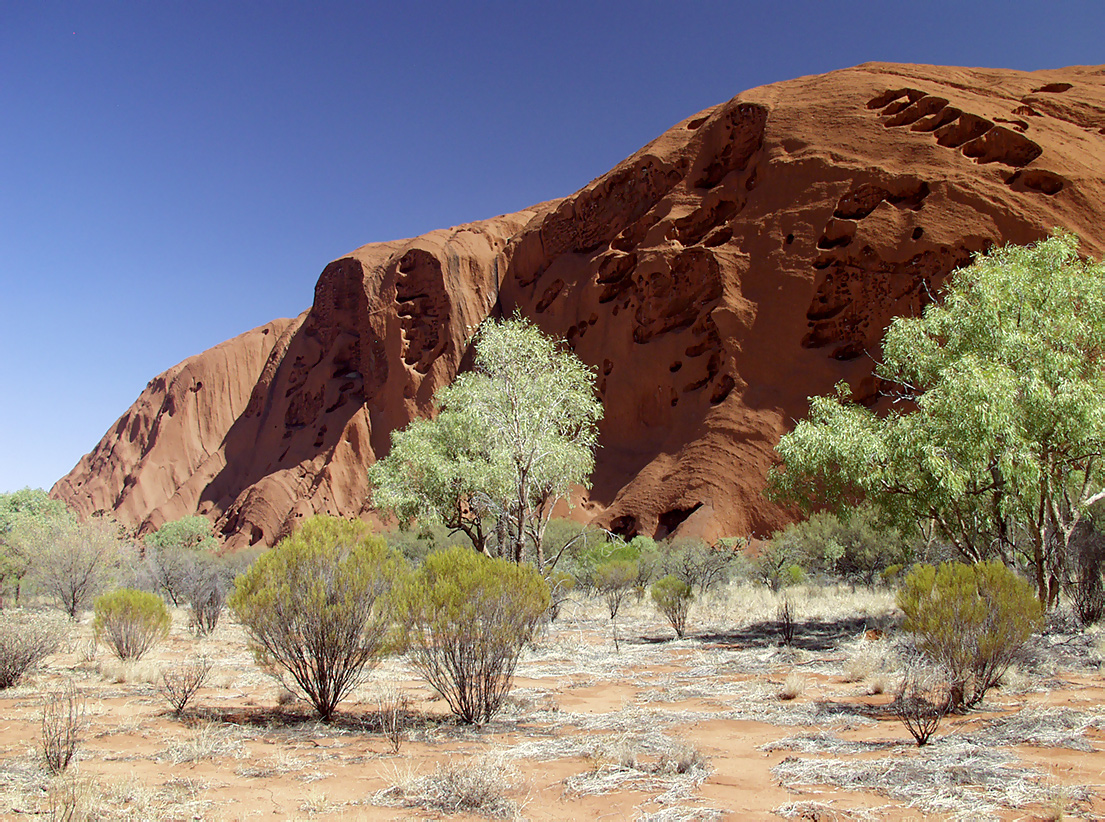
x,y
747,258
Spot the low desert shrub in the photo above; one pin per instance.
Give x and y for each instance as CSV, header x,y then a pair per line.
x,y
62,723
921,702
561,584
971,620
207,594
26,638
788,623
393,713
704,567
318,608
179,683
469,618
615,580
673,599
130,622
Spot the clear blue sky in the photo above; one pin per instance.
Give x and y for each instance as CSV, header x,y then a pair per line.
x,y
175,173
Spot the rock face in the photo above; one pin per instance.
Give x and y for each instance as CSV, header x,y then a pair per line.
x,y
747,258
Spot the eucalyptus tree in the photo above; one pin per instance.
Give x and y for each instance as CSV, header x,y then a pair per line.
x,y
996,434
510,439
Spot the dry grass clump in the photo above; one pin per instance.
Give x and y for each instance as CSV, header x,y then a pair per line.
x,y
644,762
823,742
132,672
1042,727
472,785
949,777
793,686
683,813
27,638
870,660
208,741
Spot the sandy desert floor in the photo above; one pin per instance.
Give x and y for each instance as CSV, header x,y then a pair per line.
x,y
661,730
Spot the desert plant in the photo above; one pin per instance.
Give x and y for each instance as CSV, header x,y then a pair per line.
x,y
179,683
561,584
130,622
787,621
703,567
26,638
673,599
393,715
62,723
793,686
921,702
615,580
317,607
207,594
469,618
971,620
72,561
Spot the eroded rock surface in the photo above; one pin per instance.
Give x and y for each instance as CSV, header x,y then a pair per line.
x,y
749,257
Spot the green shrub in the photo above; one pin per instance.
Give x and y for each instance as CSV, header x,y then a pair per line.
x,y
673,598
130,622
970,619
469,618
614,580
703,566
26,638
318,608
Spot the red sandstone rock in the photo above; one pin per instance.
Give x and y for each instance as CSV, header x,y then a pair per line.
x,y
747,258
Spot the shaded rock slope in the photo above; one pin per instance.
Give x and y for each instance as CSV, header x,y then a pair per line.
x,y
747,258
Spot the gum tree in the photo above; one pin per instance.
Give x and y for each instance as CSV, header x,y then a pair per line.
x,y
510,439
995,438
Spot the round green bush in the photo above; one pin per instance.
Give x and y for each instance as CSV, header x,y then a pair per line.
x,y
318,607
130,622
469,618
673,598
970,619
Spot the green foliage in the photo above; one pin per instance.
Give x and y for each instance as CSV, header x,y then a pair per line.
x,y
970,619
673,598
20,513
178,558
130,622
418,542
470,616
510,439
73,562
191,533
855,545
701,566
779,565
317,607
1002,454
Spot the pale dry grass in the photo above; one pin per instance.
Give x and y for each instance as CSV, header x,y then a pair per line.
x,y
793,686
642,761
205,742
952,777
743,603
478,785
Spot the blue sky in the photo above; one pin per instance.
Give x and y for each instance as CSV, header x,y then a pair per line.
x,y
175,173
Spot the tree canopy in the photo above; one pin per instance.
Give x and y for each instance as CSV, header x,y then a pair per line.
x,y
21,513
510,438
995,437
